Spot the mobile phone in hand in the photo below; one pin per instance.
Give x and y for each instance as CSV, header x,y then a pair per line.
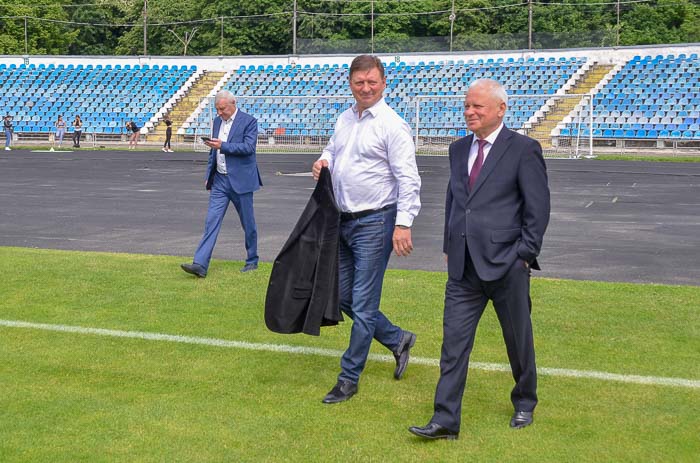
x,y
205,138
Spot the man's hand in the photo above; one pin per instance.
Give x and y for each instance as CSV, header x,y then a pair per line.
x,y
316,168
213,143
402,241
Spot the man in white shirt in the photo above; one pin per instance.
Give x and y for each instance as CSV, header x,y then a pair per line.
x,y
371,157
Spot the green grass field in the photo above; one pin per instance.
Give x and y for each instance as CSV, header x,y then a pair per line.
x,y
71,397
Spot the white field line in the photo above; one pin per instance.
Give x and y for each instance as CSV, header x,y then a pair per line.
x,y
563,372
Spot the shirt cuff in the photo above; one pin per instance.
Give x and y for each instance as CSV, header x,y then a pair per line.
x,y
404,218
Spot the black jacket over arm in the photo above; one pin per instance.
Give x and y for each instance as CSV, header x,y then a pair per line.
x,y
302,294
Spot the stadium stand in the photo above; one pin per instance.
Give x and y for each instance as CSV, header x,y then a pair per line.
x,y
635,98
317,92
106,97
648,98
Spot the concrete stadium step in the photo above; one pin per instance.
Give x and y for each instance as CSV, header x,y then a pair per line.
x,y
184,108
562,107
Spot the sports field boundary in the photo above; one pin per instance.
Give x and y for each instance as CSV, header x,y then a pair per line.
x,y
303,350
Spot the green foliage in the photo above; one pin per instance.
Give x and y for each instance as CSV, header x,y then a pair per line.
x,y
265,26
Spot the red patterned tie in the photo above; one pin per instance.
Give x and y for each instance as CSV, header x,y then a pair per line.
x,y
476,167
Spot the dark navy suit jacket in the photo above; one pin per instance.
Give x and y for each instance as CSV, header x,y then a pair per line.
x,y
302,295
239,148
505,215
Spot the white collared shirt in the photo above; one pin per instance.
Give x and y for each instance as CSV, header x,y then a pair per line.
x,y
224,130
372,160
473,151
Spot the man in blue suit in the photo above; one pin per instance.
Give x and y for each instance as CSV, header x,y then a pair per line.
x,y
232,175
496,213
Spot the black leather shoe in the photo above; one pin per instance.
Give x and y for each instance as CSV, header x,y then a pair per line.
x,y
249,267
340,392
194,269
408,339
521,419
434,431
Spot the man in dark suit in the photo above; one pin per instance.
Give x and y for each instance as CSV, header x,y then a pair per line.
x,y
232,175
496,213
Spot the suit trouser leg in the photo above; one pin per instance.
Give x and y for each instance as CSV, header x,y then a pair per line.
x,y
511,299
218,203
244,207
465,301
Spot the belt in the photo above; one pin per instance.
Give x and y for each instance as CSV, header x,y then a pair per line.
x,y
356,215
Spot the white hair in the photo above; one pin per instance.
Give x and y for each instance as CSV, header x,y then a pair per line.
x,y
494,87
224,95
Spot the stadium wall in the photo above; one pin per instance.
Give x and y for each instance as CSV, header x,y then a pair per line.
x,y
601,55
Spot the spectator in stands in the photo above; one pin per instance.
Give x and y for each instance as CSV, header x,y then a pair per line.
x,y
232,175
7,125
60,130
77,131
372,160
134,135
168,134
495,219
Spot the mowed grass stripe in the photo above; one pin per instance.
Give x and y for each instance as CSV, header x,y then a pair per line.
x,y
599,375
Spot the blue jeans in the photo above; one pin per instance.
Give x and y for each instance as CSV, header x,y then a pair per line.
x,y
219,197
8,138
365,248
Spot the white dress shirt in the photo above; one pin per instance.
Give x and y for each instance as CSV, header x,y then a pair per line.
x,y
474,150
224,130
372,160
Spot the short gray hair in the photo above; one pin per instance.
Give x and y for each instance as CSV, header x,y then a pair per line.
x,y
224,95
494,87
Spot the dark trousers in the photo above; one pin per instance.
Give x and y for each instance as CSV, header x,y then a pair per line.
x,y
168,135
465,301
76,138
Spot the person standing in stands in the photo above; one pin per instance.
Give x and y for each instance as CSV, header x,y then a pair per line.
x,y
77,131
496,213
7,125
60,130
232,176
134,136
168,134
372,160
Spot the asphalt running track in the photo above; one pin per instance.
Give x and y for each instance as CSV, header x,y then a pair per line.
x,y
611,220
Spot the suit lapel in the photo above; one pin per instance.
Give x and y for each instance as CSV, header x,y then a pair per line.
x,y
237,117
499,148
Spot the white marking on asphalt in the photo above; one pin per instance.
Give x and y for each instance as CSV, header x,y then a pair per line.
x,y
614,200
589,205
563,372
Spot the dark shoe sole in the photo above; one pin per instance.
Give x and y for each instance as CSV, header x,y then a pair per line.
x,y
426,436
398,374
192,272
337,400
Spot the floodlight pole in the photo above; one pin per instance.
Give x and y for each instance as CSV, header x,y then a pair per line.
x,y
145,27
372,20
529,24
617,29
452,23
294,29
26,41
